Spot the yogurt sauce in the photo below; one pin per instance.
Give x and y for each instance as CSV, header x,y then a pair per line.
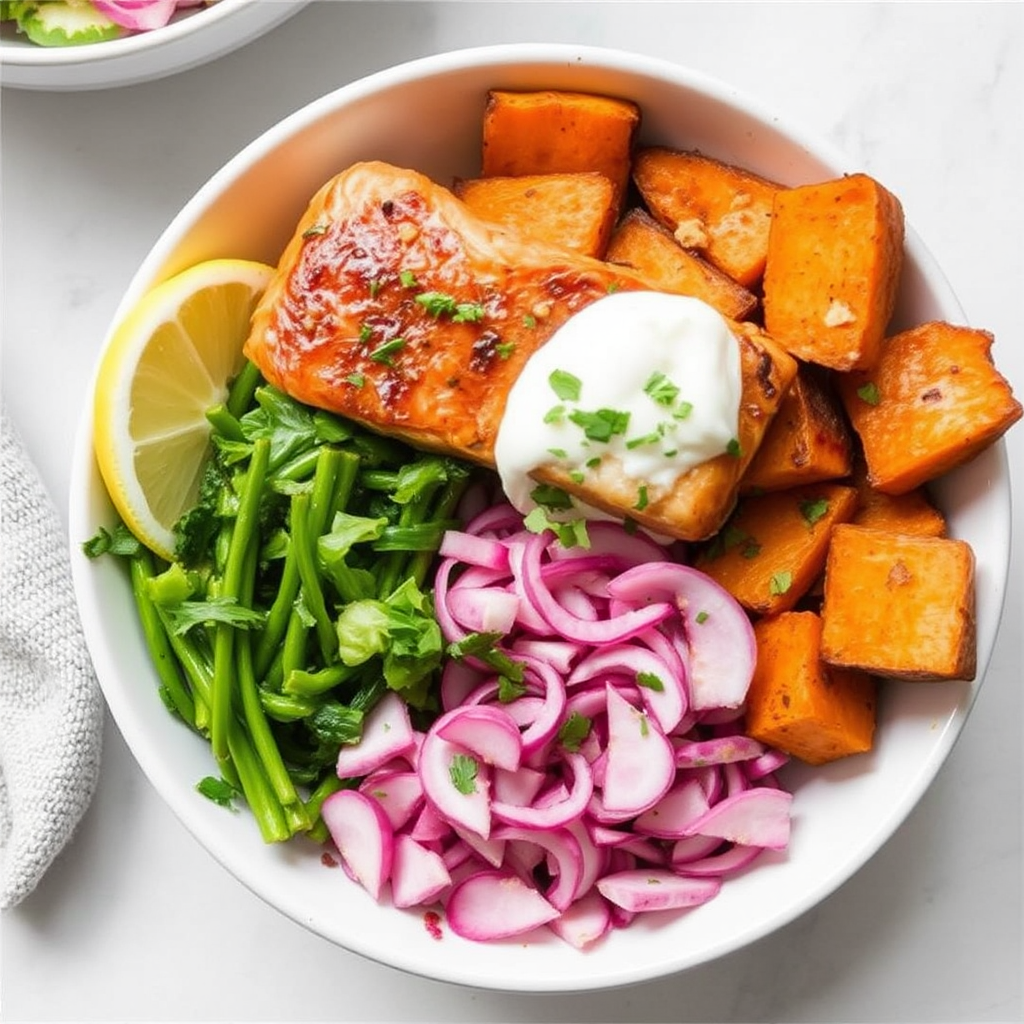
x,y
650,379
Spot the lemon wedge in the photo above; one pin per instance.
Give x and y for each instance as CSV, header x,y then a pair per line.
x,y
169,360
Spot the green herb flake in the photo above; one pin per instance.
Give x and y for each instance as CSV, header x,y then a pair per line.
x,y
365,333
780,583
613,287
316,229
645,439
407,278
602,425
462,771
869,393
661,389
556,414
483,646
505,349
375,286
733,448
594,462
813,509
550,497
645,727
220,792
529,321
682,410
509,690
473,313
575,729
559,453
577,476
383,352
651,681
701,617
641,498
355,379
565,385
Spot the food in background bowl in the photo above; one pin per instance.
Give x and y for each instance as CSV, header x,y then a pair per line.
x,y
829,841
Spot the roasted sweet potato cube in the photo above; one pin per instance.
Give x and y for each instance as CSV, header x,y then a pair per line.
x,y
801,705
721,211
643,244
899,606
700,500
774,546
932,402
574,210
808,442
553,131
835,254
911,513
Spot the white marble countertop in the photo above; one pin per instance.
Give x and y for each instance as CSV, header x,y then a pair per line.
x,y
928,98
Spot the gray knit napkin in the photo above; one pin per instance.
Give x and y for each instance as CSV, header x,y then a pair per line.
x,y
51,710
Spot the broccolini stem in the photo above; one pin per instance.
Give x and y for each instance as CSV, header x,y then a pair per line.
x,y
447,502
244,534
225,423
313,595
243,387
157,640
258,794
299,683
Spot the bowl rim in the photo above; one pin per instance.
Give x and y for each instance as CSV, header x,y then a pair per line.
x,y
158,263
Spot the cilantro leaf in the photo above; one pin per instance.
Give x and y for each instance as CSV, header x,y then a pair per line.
x,y
575,729
565,385
462,771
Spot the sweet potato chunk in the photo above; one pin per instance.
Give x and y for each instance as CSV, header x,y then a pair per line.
x,y
773,548
574,210
702,498
835,253
552,131
911,513
641,243
808,441
721,211
899,606
933,401
801,705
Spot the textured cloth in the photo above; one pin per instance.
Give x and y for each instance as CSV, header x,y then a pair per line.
x,y
51,710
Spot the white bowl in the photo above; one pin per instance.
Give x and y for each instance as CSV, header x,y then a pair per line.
x,y
427,115
194,36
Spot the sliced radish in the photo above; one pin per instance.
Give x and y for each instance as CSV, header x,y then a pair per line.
x,y
483,611
474,549
672,816
363,835
640,764
722,749
418,875
639,891
387,733
584,922
485,730
553,815
736,858
400,793
456,783
752,817
565,850
492,905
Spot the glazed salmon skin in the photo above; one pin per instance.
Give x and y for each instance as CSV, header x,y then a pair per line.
x,y
396,307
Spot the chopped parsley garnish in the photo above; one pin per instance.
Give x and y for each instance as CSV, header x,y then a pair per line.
x,y
551,497
577,476
355,379
575,729
650,680
813,509
779,583
869,393
505,349
383,352
529,321
408,279
509,689
682,410
483,647
700,618
565,385
439,304
613,287
644,725
639,442
559,453
462,771
217,790
316,229
601,425
641,498
594,462
733,448
556,414
571,534
661,389
365,333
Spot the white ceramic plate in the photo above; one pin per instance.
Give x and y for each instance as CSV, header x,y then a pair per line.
x,y
193,37
427,115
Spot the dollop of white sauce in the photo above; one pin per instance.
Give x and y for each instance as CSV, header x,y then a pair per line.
x,y
664,368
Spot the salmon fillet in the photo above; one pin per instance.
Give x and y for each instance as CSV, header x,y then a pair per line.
x,y
340,327
396,307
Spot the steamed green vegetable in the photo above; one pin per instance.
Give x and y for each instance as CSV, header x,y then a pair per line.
x,y
296,597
